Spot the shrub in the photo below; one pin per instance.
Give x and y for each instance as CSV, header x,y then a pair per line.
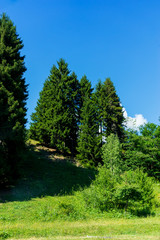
x,y
134,192
111,154
131,191
100,194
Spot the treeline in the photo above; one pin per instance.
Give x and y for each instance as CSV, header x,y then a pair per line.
x,y
73,117
142,150
70,116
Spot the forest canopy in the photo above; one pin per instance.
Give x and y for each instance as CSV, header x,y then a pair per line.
x,y
76,119
71,116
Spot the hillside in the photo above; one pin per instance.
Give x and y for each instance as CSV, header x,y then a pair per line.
x,y
41,205
44,172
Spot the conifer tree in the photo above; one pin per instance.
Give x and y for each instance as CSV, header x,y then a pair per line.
x,y
110,109
97,102
89,150
85,89
88,141
55,121
13,96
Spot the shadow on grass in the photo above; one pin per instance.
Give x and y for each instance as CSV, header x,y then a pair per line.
x,y
43,173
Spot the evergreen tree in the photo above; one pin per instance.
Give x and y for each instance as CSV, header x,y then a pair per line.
x,y
39,129
89,150
97,102
85,89
13,96
55,121
88,141
110,109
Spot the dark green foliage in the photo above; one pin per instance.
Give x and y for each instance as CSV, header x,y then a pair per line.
x,y
55,121
135,192
13,96
89,149
4,235
5,168
131,191
67,110
143,150
110,109
89,152
85,90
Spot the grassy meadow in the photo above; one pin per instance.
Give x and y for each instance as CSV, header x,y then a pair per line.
x,y
42,204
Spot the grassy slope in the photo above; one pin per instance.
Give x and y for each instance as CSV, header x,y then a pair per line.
x,y
45,173
40,203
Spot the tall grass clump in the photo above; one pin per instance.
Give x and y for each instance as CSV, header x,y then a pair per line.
x,y
128,191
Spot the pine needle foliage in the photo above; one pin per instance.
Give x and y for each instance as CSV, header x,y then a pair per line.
x,y
110,109
89,150
56,117
13,96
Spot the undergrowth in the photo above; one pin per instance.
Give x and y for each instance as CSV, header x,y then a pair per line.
x,y
54,190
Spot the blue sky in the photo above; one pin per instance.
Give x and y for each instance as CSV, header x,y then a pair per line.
x,y
119,39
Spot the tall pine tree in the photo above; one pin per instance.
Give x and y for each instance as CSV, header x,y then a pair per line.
x,y
55,121
110,109
89,149
13,96
85,89
88,141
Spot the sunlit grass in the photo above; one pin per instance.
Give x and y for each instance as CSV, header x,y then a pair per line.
x,y
147,228
36,207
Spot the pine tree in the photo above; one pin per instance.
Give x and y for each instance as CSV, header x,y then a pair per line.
x,y
13,96
97,102
110,109
88,141
55,121
89,150
39,129
85,89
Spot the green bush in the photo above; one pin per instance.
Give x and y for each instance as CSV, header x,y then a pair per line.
x,y
134,192
130,191
65,210
4,235
100,194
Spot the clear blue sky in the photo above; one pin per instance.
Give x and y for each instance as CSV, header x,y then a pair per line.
x,y
119,39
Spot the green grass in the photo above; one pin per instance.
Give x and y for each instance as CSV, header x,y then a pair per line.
x,y
45,173
108,228
41,205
